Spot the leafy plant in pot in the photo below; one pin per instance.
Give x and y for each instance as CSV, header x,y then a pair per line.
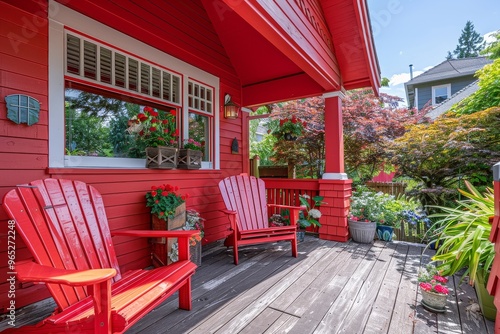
x,y
433,288
312,214
362,216
156,132
463,235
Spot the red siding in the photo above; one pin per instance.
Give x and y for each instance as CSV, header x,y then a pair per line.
x,y
180,28
23,149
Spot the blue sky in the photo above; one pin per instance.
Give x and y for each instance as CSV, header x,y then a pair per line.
x,y
421,32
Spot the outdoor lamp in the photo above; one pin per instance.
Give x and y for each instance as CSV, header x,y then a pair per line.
x,y
230,108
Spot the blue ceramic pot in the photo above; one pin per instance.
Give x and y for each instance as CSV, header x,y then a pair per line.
x,y
385,232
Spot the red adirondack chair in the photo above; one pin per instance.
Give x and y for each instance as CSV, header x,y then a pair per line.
x,y
245,200
64,225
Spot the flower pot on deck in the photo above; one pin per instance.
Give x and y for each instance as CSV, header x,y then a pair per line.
x,y
385,232
485,300
434,302
362,232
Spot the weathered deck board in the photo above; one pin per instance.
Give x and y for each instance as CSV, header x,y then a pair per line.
x,y
330,288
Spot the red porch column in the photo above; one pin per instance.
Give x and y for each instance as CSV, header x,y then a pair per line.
x,y
493,285
334,187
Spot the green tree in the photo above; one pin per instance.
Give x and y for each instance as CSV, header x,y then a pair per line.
x,y
370,124
488,94
469,43
450,149
493,49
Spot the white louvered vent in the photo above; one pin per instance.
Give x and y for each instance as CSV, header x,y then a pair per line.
x,y
89,60
200,97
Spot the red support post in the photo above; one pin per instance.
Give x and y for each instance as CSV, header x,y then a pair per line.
x,y
493,286
334,187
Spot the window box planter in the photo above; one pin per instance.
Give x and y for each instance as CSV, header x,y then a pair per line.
x,y
189,159
161,157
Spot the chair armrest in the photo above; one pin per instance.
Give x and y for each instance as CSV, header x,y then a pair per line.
x,y
156,233
302,207
34,272
182,238
294,211
228,212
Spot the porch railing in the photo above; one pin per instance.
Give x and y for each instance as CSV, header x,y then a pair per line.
x,y
287,191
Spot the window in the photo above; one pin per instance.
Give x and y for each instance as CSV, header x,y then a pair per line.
x,y
105,84
200,104
440,93
102,126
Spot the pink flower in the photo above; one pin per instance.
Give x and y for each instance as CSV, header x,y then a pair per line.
x,y
441,289
440,279
426,286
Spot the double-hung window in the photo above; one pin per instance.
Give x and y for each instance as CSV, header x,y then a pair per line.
x,y
99,88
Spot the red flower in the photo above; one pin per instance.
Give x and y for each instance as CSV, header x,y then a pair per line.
x,y
142,117
176,133
157,201
148,109
282,121
153,113
426,286
440,279
441,289
165,130
173,112
162,214
153,193
165,121
154,121
152,129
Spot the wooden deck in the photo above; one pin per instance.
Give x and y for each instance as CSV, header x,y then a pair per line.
x,y
330,288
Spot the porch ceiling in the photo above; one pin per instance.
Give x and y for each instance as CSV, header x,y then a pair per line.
x,y
272,49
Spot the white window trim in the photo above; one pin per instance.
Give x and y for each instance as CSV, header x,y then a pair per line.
x,y
416,98
64,16
448,92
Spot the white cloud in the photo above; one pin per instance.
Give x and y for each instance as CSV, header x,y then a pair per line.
x,y
401,78
489,37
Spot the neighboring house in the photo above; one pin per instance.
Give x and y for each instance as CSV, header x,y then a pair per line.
x,y
443,81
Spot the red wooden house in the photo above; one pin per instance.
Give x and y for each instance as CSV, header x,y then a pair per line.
x,y
182,55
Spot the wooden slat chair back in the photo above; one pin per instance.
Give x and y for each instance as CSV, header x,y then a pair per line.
x,y
65,227
245,200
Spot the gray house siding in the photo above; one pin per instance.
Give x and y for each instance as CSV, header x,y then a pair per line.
x,y
425,90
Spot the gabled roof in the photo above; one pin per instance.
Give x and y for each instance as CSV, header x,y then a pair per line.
x,y
451,68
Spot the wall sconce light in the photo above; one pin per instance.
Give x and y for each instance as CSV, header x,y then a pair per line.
x,y
230,108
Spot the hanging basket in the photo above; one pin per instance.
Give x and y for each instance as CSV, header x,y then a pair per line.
x,y
362,232
189,159
161,157
289,137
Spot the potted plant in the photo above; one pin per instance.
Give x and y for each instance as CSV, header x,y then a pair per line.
x,y
433,288
463,235
190,155
290,129
362,216
168,211
312,214
193,222
157,131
